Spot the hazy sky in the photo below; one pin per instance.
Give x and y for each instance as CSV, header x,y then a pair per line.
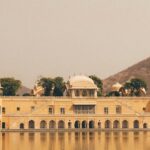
x,y
66,37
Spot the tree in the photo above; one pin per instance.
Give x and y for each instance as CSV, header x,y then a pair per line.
x,y
59,86
134,86
26,94
113,93
99,84
10,86
47,84
52,87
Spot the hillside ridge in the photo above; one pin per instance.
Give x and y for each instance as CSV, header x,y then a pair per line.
x,y
139,70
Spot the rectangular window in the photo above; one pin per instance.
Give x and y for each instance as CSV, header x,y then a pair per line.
x,y
32,108
18,108
118,109
91,93
50,110
3,110
84,109
144,109
62,110
106,110
3,125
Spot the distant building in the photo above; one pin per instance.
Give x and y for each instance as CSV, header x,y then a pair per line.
x,y
79,109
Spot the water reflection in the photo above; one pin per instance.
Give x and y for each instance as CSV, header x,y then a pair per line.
x,y
75,141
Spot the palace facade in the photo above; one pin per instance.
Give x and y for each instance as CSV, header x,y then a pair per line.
x,y
79,109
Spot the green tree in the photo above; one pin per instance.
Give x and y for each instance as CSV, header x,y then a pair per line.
x,y
99,84
47,84
26,94
59,86
113,93
135,85
10,86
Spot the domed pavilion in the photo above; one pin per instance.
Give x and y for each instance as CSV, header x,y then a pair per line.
x,y
81,86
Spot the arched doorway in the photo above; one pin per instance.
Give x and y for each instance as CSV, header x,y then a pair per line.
x,y
91,124
145,125
99,124
21,126
136,124
61,124
107,124
31,124
52,124
77,124
43,124
84,124
116,124
124,124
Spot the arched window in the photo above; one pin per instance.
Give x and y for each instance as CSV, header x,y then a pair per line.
x,y
145,125
84,124
124,124
61,124
91,124
77,124
107,124
43,124
31,124
21,126
136,124
52,124
116,124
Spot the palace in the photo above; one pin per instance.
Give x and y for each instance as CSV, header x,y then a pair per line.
x,y
79,109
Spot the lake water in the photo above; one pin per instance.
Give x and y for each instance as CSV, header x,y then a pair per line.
x,y
75,141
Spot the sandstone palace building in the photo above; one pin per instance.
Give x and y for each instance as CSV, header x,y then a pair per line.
x,y
80,109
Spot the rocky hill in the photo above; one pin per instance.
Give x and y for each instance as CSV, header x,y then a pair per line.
x,y
22,90
140,70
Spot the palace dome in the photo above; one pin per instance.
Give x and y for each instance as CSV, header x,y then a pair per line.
x,y
81,82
